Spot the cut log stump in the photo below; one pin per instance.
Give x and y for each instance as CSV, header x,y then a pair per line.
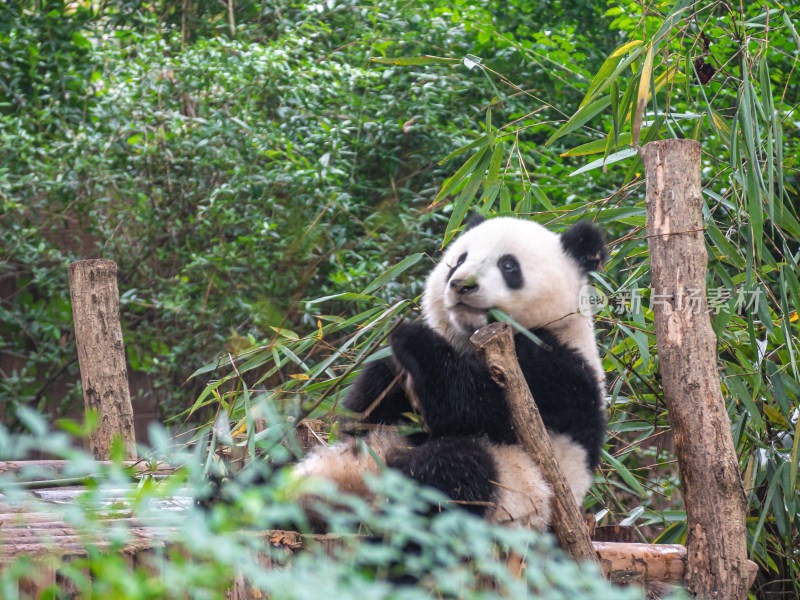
x,y
101,354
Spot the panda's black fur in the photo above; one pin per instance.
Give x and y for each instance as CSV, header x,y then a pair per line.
x,y
470,451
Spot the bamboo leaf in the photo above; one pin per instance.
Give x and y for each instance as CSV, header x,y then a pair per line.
x,y
670,75
790,25
726,249
754,206
719,124
501,317
524,206
615,125
625,107
579,118
481,141
250,419
671,19
773,485
631,518
592,147
505,200
205,369
542,197
416,60
612,158
495,164
596,146
641,100
623,472
461,174
605,75
793,463
489,195
467,195
392,273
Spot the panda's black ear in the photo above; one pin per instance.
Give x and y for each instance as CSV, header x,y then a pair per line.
x,y
474,221
584,242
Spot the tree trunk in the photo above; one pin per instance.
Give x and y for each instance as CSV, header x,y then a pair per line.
x,y
101,354
494,345
687,350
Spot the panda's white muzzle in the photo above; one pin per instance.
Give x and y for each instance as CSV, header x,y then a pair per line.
x,y
467,318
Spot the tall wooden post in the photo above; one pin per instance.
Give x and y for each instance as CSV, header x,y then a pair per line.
x,y
687,351
101,353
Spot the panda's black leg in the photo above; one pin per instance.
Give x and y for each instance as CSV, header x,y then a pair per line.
x,y
460,467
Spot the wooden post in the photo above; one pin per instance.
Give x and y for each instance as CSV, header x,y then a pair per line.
x,y
101,354
494,344
687,349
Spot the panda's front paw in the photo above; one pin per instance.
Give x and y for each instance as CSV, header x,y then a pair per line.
x,y
416,346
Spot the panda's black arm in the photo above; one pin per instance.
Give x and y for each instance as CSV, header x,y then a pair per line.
x,y
566,391
376,378
455,392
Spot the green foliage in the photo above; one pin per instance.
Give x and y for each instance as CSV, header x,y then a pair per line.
x,y
199,552
228,178
235,164
740,115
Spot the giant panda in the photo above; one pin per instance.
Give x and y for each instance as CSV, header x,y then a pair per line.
x,y
470,451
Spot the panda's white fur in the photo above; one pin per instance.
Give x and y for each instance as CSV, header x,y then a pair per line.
x,y
548,300
523,495
346,462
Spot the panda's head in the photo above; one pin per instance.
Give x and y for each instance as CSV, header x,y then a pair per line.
x,y
530,273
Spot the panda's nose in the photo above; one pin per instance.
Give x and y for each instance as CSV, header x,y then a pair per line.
x,y
460,287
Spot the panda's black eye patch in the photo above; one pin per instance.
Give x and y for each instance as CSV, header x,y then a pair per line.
x,y
460,262
509,267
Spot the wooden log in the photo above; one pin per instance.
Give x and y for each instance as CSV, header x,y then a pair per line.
x,y
621,562
37,470
641,563
494,345
638,563
687,350
101,354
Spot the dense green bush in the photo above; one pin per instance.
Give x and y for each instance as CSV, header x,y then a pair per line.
x,y
228,178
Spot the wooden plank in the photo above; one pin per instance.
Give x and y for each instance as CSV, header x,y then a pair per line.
x,y
37,470
57,543
621,562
